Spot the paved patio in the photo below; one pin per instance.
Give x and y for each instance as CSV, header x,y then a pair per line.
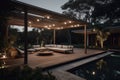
x,y
55,59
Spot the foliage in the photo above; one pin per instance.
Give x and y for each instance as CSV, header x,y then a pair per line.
x,y
94,11
63,36
101,36
24,73
45,37
12,36
5,10
3,40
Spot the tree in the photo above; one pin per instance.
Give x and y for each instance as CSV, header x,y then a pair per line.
x,y
12,36
95,12
107,11
101,36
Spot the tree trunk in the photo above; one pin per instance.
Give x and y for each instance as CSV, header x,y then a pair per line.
x,y
101,43
96,44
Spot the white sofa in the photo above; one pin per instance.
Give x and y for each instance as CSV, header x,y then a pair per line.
x,y
38,48
60,48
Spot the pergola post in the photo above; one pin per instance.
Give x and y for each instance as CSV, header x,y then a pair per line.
x,y
85,39
25,36
54,36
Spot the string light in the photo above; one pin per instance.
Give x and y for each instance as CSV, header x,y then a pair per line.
x,y
61,27
29,22
38,20
46,26
69,21
72,26
48,17
58,28
50,26
65,22
53,25
78,25
75,25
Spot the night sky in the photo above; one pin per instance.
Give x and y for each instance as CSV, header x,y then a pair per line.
x,y
53,5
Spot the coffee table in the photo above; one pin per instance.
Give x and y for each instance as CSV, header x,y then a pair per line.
x,y
45,53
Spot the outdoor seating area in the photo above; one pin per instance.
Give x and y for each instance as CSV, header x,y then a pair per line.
x,y
57,41
47,50
39,18
52,47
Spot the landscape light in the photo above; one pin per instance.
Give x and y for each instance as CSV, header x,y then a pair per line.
x,y
93,73
4,56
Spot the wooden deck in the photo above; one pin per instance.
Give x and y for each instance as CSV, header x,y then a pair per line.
x,y
55,59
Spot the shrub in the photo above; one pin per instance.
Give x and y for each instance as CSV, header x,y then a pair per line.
x,y
24,73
